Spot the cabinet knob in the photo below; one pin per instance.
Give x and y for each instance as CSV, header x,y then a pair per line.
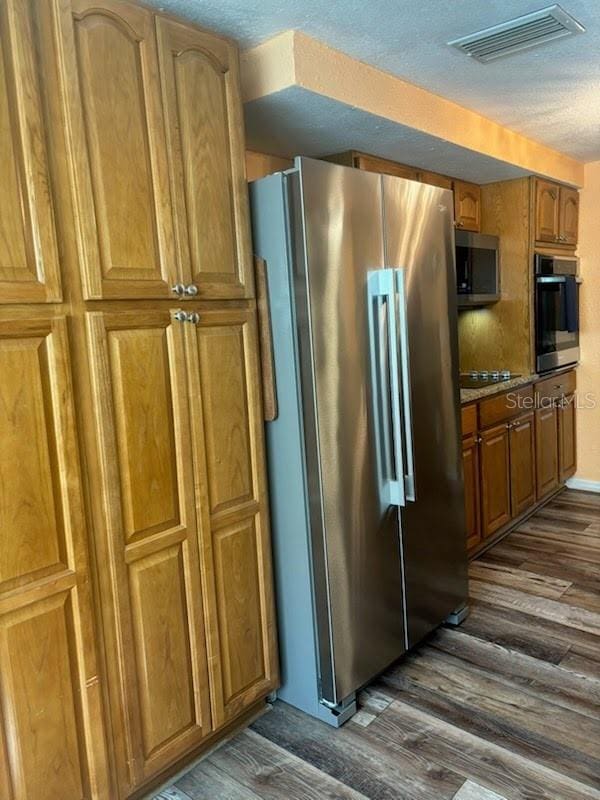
x,y
191,290
459,224
194,317
178,289
181,316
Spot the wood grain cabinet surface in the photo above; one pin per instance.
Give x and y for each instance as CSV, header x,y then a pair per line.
x,y
156,146
51,720
556,214
495,478
518,448
567,439
137,621
470,454
29,261
467,206
522,463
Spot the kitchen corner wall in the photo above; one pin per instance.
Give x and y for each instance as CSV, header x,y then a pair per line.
x,y
588,373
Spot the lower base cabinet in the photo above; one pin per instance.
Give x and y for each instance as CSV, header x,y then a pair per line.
x,y
470,453
567,447
522,463
495,479
513,456
546,436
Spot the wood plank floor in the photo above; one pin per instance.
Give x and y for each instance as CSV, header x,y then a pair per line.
x,y
507,707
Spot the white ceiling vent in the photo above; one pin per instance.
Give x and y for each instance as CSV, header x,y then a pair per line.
x,y
521,33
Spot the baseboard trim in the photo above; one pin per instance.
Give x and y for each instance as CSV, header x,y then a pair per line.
x,y
583,485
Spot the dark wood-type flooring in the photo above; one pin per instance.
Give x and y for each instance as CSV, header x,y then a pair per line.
x,y
506,706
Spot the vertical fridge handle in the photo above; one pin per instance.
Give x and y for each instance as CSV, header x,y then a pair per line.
x,y
385,387
409,476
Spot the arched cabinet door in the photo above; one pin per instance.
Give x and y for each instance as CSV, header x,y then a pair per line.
x,y
117,149
201,98
29,265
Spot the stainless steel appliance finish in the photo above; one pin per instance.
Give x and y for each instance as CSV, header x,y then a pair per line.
x,y
477,269
419,240
556,311
364,459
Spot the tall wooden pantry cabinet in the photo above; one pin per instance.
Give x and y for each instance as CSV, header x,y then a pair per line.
x,y
136,604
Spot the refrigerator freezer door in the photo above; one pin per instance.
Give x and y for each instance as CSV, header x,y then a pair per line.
x,y
419,240
337,236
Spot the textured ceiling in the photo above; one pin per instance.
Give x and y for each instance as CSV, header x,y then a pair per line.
x,y
551,94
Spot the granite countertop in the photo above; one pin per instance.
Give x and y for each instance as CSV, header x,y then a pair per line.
x,y
469,395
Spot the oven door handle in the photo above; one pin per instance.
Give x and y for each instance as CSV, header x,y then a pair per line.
x,y
557,278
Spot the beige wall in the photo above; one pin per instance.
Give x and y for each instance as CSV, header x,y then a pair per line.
x,y
588,374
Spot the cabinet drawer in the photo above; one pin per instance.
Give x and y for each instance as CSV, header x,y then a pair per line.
x,y
505,406
469,419
556,386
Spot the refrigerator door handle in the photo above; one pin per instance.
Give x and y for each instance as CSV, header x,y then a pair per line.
x,y
409,475
385,387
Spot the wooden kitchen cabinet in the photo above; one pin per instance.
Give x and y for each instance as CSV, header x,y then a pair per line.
x,y
546,437
467,206
569,216
136,603
51,725
470,455
522,463
147,536
231,502
159,102
495,478
205,139
556,213
111,84
567,447
29,262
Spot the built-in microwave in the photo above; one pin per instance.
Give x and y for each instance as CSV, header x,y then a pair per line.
x,y
477,269
556,311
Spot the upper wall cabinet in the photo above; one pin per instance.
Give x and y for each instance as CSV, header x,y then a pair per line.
x,y
29,271
201,96
157,155
118,151
467,206
556,213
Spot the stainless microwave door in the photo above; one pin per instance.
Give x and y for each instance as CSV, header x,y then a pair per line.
x,y
419,241
337,237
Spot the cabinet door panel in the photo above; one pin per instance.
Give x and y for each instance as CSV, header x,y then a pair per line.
x,y
149,540
29,266
569,215
472,499
118,151
48,673
199,74
546,445
567,439
467,206
522,463
495,479
232,507
546,211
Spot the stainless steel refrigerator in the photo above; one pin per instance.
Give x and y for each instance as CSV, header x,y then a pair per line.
x,y
365,467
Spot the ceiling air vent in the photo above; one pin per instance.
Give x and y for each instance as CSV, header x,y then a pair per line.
x,y
522,33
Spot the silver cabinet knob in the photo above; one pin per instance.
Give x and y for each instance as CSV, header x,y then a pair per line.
x,y
184,316
178,289
191,290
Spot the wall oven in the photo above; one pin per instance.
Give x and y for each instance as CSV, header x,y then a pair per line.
x,y
556,311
